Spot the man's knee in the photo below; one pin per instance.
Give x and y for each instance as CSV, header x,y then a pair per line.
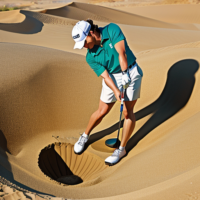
x,y
128,114
125,112
103,112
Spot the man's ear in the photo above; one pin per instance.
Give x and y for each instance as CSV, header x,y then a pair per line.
x,y
91,33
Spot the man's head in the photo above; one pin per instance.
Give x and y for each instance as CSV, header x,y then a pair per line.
x,y
80,33
85,34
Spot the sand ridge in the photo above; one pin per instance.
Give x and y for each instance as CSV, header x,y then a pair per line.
x,y
48,93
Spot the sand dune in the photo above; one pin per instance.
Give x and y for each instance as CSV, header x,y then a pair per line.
x,y
167,13
85,11
54,36
12,17
46,103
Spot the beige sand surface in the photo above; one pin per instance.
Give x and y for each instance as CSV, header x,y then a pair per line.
x,y
136,3
188,14
48,92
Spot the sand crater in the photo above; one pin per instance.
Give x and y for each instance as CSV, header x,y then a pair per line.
x,y
59,162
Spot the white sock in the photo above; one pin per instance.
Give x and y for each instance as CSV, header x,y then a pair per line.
x,y
121,148
85,135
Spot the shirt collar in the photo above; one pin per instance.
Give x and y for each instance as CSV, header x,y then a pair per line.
x,y
104,35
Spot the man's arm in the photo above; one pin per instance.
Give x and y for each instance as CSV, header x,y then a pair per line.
x,y
120,48
109,82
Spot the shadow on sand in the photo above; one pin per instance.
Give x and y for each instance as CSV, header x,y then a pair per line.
x,y
30,25
176,93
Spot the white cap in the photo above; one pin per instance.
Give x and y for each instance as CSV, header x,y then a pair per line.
x,y
79,33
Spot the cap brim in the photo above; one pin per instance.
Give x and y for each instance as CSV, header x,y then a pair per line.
x,y
79,45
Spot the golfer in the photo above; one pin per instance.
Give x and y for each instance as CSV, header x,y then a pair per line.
x,y
109,55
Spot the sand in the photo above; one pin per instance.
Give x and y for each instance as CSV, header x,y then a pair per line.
x,y
48,93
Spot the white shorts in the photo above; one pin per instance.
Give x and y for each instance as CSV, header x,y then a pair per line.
x,y
133,90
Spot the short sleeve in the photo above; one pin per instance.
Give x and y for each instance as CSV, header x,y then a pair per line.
x,y
115,33
98,69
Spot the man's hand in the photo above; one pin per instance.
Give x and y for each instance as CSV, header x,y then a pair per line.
x,y
118,95
126,80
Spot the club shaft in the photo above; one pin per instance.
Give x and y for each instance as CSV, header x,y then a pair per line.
x,y
121,109
119,124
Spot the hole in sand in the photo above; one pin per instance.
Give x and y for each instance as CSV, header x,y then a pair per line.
x,y
59,162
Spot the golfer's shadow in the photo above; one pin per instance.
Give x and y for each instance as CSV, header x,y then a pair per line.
x,y
176,93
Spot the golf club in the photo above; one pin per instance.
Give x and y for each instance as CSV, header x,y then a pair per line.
x,y
115,142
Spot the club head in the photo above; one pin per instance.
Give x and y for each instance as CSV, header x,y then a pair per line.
x,y
113,143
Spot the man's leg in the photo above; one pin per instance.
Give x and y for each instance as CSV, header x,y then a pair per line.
x,y
95,119
98,115
128,127
129,122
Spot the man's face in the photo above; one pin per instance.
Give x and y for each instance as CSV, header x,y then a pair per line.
x,y
90,41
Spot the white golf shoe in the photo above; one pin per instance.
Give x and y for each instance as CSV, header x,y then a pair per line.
x,y
79,145
115,157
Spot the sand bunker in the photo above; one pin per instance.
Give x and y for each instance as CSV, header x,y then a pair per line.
x,y
48,92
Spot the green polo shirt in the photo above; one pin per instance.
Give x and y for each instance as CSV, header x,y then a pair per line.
x,y
106,57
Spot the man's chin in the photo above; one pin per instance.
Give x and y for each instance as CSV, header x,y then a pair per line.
x,y
91,47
